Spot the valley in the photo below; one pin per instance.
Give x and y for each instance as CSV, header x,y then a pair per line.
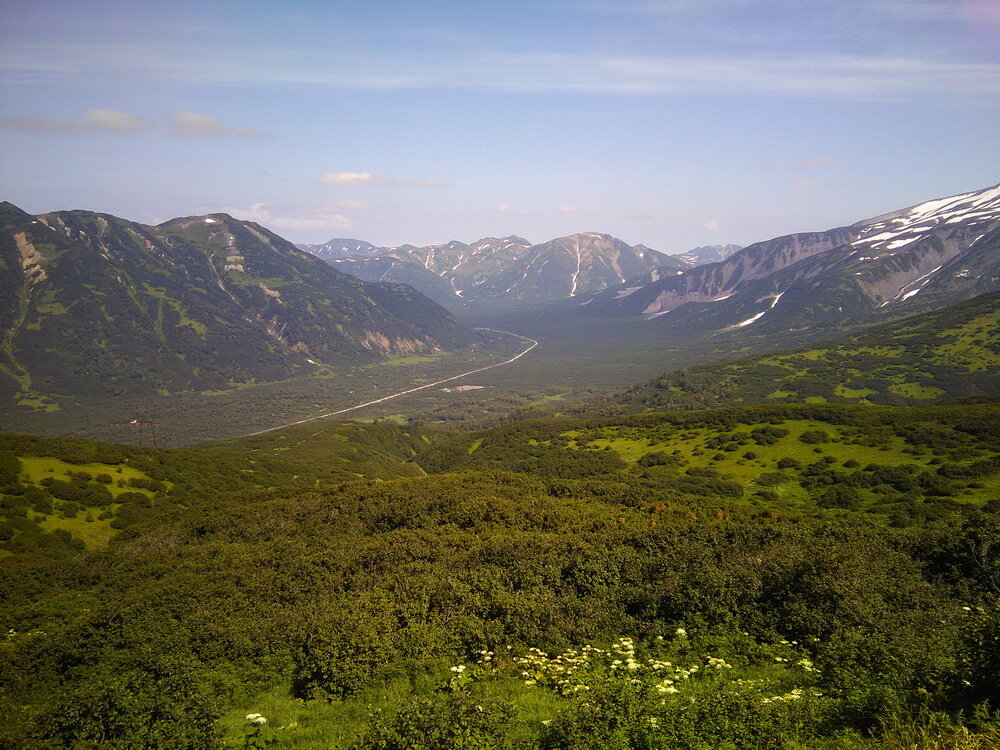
x,y
746,499
452,375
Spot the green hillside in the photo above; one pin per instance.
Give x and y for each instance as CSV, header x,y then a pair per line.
x,y
61,494
949,353
94,307
774,577
895,464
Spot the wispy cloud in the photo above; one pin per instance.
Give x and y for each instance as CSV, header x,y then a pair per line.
x,y
353,203
804,183
197,125
848,76
816,162
301,218
857,77
939,11
184,124
367,178
506,208
91,121
712,225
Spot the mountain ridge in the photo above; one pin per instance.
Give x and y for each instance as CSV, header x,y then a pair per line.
x,y
92,303
500,270
944,250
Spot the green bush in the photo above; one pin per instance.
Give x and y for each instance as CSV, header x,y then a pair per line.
x,y
446,720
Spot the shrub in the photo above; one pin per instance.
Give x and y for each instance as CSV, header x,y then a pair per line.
x,y
812,437
446,720
163,710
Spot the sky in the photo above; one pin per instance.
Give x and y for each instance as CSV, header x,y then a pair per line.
x,y
674,123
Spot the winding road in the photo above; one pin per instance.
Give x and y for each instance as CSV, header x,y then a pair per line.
x,y
533,344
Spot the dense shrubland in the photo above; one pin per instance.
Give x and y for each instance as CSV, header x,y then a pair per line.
x,y
949,353
554,583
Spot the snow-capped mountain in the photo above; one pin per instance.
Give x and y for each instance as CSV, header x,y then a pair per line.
x,y
508,270
340,247
699,256
927,255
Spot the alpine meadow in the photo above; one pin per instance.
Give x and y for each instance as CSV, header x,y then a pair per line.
x,y
467,376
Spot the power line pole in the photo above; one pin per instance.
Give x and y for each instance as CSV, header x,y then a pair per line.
x,y
152,428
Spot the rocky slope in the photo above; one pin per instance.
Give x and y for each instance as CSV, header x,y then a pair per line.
x,y
922,257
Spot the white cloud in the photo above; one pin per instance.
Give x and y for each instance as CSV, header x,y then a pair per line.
x,y
367,178
353,203
198,125
804,183
305,218
816,162
92,121
352,178
712,225
567,209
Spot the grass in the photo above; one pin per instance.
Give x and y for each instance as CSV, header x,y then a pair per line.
x,y
412,359
298,723
37,468
94,533
953,352
970,343
318,723
37,402
915,390
200,328
187,418
692,445
844,392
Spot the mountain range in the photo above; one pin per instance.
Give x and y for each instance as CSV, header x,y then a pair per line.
x,y
510,270
917,258
97,305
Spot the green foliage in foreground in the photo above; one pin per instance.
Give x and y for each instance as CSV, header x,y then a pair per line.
x,y
949,353
330,596
609,593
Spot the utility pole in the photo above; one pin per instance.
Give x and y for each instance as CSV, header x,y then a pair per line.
x,y
152,428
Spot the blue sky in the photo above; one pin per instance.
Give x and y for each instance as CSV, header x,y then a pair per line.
x,y
674,123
